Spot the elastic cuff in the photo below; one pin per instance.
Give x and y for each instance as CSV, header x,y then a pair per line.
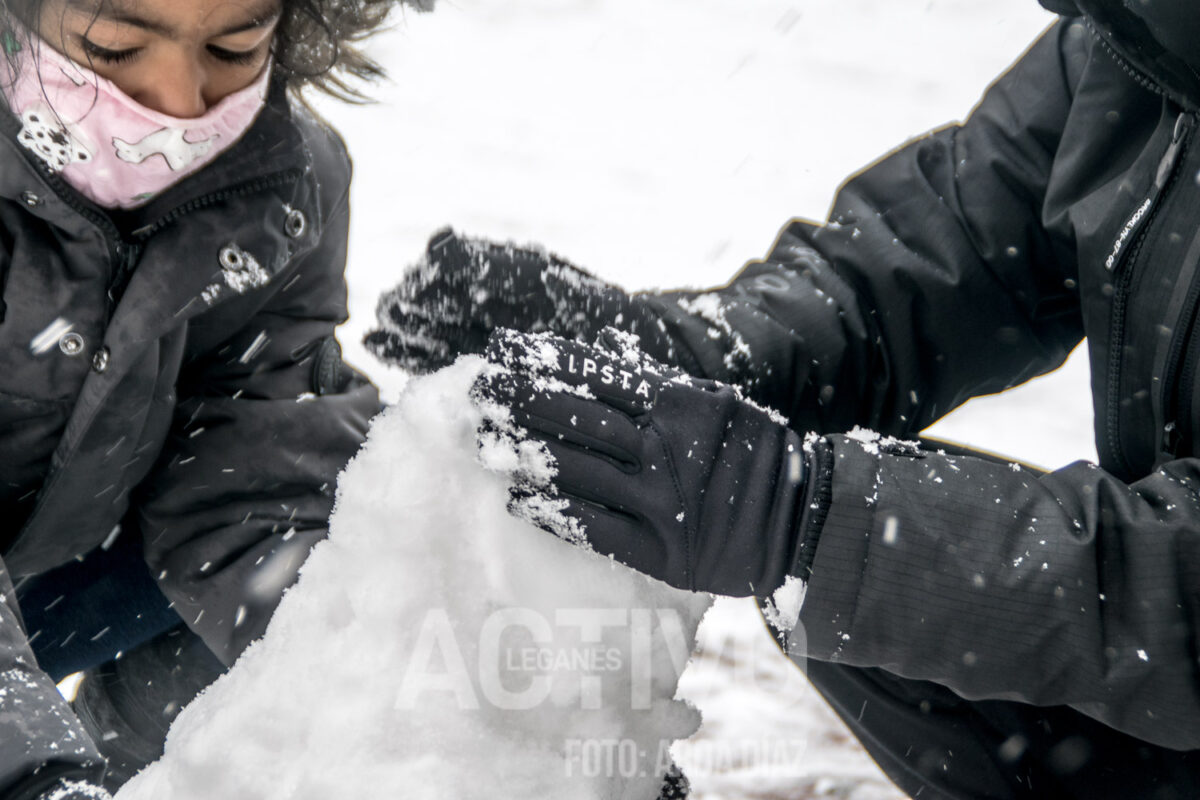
x,y
818,497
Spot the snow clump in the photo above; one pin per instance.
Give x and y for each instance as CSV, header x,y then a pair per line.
x,y
436,647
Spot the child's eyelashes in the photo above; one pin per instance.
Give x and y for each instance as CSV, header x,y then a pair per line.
x,y
110,56
107,55
234,56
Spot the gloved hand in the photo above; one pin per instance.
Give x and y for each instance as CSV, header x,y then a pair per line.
x,y
465,288
675,786
677,477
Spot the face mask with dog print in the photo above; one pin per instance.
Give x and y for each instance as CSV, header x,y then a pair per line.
x,y
113,150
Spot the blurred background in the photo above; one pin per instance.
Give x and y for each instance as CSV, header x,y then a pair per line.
x,y
662,145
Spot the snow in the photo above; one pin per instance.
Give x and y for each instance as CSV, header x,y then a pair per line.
x,y
75,790
436,647
891,530
873,443
662,144
709,307
782,609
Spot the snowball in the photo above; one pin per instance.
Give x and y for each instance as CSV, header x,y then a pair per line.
x,y
437,647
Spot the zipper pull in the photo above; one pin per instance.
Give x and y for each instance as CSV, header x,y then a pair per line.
x,y
127,255
1166,167
1170,439
118,260
1172,155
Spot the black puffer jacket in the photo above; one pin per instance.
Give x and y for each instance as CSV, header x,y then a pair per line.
x,y
172,371
964,263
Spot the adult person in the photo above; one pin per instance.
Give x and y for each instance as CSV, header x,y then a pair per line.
x,y
985,629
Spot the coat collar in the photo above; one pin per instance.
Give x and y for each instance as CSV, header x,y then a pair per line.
x,y
272,145
1123,30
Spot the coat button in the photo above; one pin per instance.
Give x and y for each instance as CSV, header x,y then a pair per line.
x,y
295,224
100,360
30,199
231,257
71,343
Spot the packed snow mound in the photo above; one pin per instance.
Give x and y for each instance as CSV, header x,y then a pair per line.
x,y
436,647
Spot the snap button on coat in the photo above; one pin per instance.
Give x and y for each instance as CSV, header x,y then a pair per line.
x,y
231,257
71,343
295,224
31,199
100,360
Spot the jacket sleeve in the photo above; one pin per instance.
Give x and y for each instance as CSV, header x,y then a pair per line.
x,y
41,741
942,252
266,420
1067,588
944,273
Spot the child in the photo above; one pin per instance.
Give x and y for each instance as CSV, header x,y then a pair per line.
x,y
987,630
172,240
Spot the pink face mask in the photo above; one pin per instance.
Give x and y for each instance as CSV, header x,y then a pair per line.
x,y
110,148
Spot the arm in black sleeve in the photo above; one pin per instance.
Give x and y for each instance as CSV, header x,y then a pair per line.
x,y
246,482
945,272
937,278
1067,588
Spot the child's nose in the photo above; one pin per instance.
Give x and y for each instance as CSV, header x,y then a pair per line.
x,y
176,89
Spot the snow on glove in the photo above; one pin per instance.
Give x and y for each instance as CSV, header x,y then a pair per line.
x,y
677,477
465,288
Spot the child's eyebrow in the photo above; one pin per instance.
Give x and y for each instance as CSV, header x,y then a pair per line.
x,y
268,12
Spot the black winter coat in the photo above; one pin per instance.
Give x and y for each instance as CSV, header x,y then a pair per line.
x,y
187,385
964,263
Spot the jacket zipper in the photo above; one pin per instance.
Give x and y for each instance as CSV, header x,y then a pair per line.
x,y
118,251
1179,374
130,251
1179,429
249,187
1120,263
127,257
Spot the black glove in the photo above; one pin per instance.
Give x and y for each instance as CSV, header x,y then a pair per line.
x,y
677,477
465,288
675,785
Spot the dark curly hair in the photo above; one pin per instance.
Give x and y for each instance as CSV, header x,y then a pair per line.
x,y
316,42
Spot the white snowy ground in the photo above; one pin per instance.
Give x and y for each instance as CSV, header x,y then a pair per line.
x,y
660,144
